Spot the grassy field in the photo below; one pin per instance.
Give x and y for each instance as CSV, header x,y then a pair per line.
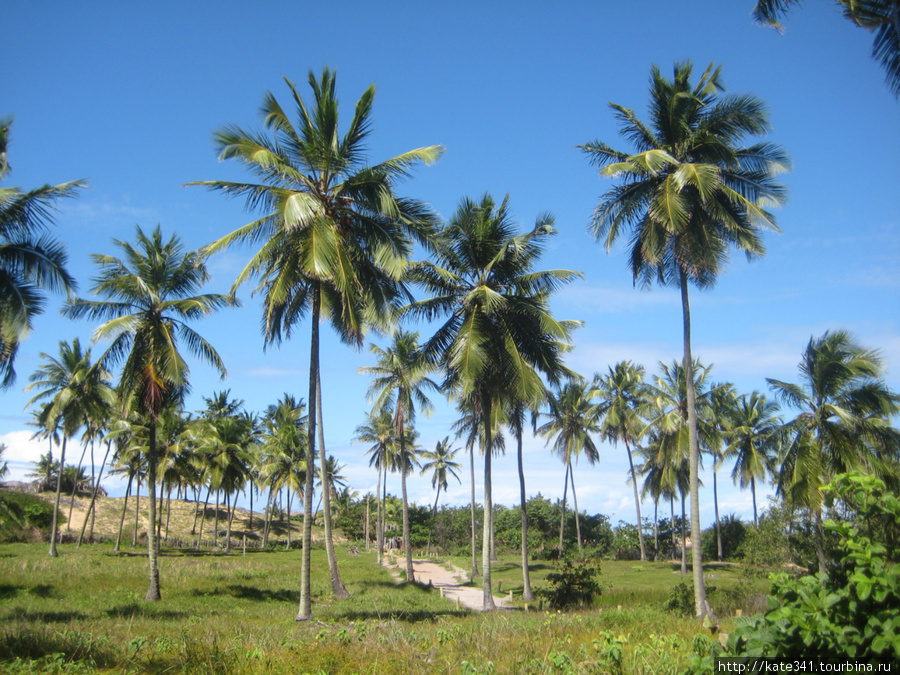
x,y
84,612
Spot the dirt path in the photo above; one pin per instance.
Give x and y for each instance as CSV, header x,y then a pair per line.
x,y
449,581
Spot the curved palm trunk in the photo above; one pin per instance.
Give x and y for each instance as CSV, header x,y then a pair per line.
x,y
637,499
268,519
577,522
216,522
337,586
701,606
305,611
488,510
368,521
90,510
656,529
562,520
74,486
153,593
474,539
137,506
672,518
229,508
62,463
203,517
287,546
527,593
124,509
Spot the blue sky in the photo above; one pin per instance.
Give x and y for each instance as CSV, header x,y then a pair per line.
x,y
128,94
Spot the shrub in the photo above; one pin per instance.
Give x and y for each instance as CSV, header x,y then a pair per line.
x,y
573,584
21,514
851,612
733,533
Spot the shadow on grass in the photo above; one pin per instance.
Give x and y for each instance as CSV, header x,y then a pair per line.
x,y
8,591
406,616
133,609
47,617
264,595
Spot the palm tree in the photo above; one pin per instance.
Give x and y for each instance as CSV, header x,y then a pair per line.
x,y
379,431
499,333
401,379
689,194
670,423
440,462
622,395
879,16
844,421
75,390
336,236
4,465
150,300
722,400
516,422
572,421
284,451
753,442
31,262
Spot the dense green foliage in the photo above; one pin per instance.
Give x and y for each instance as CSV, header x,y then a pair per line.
x,y
853,611
573,584
22,514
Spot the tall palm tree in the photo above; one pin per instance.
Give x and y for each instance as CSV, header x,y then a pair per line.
x,y
622,400
440,462
688,195
573,419
499,334
844,421
75,389
31,261
881,17
753,442
379,431
336,236
150,300
401,380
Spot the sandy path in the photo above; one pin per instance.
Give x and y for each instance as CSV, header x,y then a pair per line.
x,y
448,581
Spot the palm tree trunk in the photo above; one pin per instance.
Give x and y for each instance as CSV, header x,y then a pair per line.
x,y
701,606
153,593
74,486
655,529
168,512
562,520
368,521
62,462
637,499
267,519
305,610
250,526
337,586
527,593
94,496
124,509
216,522
577,522
431,524
672,517
488,508
137,506
474,539
229,498
820,541
719,550
753,492
407,545
288,545
683,538
203,517
379,513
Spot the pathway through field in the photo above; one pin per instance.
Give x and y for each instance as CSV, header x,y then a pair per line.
x,y
440,577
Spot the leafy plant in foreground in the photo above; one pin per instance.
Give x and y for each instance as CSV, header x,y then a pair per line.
x,y
573,584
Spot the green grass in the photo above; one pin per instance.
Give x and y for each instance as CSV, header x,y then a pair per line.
x,y
84,611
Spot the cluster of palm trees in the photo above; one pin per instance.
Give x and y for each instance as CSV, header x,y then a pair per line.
x,y
334,241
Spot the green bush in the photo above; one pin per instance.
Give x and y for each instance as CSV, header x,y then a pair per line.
x,y
734,531
854,610
573,584
21,514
